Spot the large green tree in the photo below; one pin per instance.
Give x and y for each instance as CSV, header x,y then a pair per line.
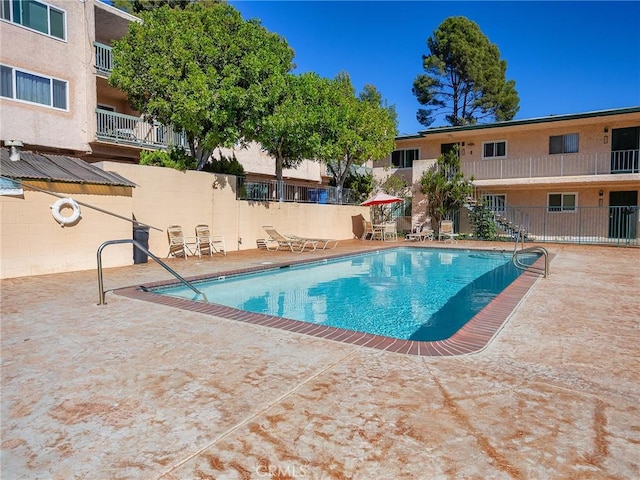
x,y
359,183
290,131
202,69
464,77
445,186
355,129
137,6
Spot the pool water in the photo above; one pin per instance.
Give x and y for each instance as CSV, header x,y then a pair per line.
x,y
406,293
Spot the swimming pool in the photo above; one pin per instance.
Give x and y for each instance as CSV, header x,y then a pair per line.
x,y
405,293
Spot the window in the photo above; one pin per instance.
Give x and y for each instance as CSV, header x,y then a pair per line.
x,y
6,82
495,203
494,149
20,85
35,15
563,144
404,158
562,202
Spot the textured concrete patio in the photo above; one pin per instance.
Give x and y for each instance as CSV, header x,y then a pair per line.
x,y
136,390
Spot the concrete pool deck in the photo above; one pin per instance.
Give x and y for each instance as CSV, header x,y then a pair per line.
x,y
133,389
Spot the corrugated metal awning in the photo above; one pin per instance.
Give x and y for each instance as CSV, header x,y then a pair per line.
x,y
57,168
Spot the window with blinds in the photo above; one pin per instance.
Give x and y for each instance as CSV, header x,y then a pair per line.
x,y
563,143
29,87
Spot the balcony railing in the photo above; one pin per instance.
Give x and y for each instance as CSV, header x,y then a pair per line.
x,y
103,58
130,130
599,163
273,191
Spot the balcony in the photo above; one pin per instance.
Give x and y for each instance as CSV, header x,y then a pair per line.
x,y
135,131
103,59
598,163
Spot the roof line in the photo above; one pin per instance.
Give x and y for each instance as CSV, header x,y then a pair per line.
x,y
528,121
58,168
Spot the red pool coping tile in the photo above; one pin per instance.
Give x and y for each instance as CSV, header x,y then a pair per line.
x,y
472,337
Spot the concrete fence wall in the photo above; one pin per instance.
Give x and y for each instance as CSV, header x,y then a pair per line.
x,y
33,243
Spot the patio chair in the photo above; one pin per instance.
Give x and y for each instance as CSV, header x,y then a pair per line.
x,y
178,244
390,232
420,232
367,227
372,231
277,240
446,231
207,244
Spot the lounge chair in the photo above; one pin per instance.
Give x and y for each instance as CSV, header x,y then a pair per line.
x,y
207,244
323,243
179,246
267,244
276,241
420,232
446,231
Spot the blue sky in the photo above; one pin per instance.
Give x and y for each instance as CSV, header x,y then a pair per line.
x,y
565,57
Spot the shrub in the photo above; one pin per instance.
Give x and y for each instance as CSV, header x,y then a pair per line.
x,y
176,158
483,222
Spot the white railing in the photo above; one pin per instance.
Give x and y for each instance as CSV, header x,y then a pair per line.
x,y
127,129
598,163
103,58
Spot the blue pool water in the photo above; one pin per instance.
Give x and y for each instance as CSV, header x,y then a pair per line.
x,y
406,293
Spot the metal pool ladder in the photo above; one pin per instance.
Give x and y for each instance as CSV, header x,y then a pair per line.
x,y
523,266
145,250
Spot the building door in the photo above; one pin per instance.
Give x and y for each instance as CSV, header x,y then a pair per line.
x,y
625,143
623,214
447,147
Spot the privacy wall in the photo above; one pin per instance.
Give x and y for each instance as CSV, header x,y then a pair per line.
x,y
33,243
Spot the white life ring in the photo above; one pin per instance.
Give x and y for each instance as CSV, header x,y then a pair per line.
x,y
62,203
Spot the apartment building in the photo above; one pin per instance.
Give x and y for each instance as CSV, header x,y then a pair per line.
x,y
571,178
55,63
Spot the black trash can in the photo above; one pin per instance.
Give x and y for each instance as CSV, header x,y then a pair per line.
x,y
140,235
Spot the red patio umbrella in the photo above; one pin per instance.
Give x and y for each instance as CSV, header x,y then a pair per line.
x,y
380,198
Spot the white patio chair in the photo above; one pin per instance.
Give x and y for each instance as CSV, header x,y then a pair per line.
x,y
446,232
390,232
208,244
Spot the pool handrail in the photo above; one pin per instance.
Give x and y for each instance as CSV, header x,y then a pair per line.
x,y
525,267
146,251
519,237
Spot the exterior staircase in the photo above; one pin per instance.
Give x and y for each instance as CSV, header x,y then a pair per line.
x,y
509,220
